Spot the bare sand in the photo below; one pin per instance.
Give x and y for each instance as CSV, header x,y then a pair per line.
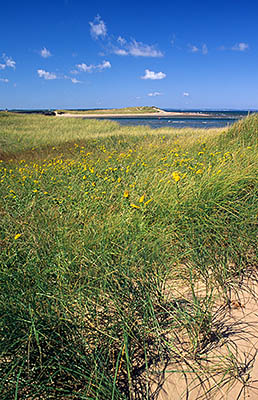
x,y
242,327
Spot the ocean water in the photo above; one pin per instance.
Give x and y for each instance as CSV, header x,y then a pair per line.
x,y
156,123
218,119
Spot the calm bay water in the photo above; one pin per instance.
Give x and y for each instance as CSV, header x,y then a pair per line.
x,y
156,123
218,119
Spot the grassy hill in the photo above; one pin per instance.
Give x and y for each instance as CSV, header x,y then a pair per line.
x,y
121,249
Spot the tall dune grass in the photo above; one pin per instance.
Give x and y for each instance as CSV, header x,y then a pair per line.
x,y
120,249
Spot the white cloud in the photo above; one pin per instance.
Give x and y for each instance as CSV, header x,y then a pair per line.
x,y
154,94
121,46
90,68
4,80
46,75
135,49
45,53
240,46
153,75
194,49
186,94
237,47
98,28
74,80
8,62
105,64
84,67
120,52
139,49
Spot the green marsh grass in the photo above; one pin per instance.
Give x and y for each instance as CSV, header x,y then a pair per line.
x,y
120,248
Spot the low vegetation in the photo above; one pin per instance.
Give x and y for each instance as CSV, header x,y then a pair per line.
x,y
125,110
120,250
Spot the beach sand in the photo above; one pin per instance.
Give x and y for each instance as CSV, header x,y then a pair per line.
x,y
242,327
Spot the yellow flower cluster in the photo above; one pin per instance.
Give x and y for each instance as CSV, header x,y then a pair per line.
x,y
109,175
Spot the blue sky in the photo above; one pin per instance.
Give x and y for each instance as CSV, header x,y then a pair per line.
x,y
81,54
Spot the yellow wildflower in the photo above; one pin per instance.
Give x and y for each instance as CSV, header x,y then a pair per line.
x,y
147,202
126,194
141,199
175,176
134,206
17,236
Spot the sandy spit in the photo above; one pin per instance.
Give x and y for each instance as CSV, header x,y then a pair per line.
x,y
149,115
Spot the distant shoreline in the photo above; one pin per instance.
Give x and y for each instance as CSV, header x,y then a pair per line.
x,y
136,113
160,114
